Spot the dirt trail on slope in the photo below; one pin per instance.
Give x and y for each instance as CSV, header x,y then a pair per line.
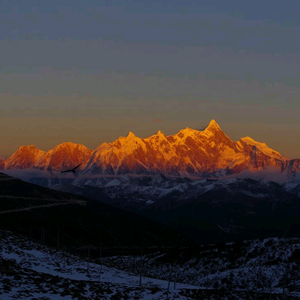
x,y
6,179
38,199
43,206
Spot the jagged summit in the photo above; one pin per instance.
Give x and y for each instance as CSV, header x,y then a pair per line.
x,y
130,135
213,126
189,152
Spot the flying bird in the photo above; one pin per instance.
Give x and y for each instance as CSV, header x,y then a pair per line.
x,y
72,170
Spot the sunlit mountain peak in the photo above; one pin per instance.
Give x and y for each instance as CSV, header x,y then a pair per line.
x,y
24,157
130,135
159,132
189,152
212,126
261,146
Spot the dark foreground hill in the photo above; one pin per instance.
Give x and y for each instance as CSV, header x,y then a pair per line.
x,y
67,220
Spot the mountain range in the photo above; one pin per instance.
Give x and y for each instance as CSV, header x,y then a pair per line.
x,y
196,182
189,153
170,193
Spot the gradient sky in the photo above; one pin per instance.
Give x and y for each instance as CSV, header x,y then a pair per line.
x,y
91,71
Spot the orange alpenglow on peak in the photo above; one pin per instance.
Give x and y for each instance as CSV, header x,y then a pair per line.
x,y
189,152
64,156
25,157
261,146
213,125
131,135
184,133
187,129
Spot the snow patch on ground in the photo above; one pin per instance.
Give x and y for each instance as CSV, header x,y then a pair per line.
x,y
39,266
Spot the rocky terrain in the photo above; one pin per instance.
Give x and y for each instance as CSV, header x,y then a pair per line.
x,y
257,269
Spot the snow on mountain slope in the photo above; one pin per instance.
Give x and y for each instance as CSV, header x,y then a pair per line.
x,y
25,157
142,191
32,271
64,156
188,153
264,269
121,156
261,146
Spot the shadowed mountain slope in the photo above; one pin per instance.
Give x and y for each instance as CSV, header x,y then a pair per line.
x,y
30,209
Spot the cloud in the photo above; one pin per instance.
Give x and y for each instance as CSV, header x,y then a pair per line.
x,y
269,174
158,120
27,174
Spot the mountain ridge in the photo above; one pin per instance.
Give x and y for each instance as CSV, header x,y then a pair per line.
x,y
188,153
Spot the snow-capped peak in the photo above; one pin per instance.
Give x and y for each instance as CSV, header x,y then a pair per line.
x,y
187,132
27,147
159,135
64,156
68,145
24,157
190,152
130,135
261,146
212,126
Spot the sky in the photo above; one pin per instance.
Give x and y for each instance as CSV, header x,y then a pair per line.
x,y
90,71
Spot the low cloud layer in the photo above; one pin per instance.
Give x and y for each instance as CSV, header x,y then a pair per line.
x,y
269,174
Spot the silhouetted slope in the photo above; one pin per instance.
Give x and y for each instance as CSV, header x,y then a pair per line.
x,y
83,222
